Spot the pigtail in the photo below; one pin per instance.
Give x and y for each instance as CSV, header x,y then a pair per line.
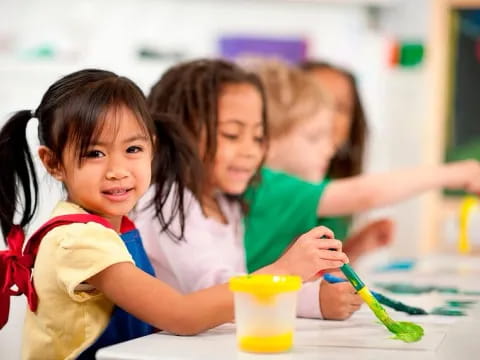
x,y
17,171
176,166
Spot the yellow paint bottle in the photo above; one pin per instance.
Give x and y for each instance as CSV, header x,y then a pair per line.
x,y
265,307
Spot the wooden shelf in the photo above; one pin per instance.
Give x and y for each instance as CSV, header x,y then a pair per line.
x,y
439,208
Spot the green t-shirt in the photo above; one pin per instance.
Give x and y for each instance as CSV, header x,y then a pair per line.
x,y
281,208
340,225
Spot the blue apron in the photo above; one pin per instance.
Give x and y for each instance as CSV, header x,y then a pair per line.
x,y
124,326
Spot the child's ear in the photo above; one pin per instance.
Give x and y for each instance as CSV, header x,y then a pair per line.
x,y
50,162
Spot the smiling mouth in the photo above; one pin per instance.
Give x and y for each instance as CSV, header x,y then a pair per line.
x,y
240,171
116,191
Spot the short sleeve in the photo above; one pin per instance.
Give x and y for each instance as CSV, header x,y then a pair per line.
x,y
84,250
209,253
308,300
281,207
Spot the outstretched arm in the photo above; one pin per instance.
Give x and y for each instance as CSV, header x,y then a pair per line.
x,y
375,234
364,192
158,304
153,301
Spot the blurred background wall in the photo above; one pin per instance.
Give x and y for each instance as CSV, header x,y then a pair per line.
x,y
44,39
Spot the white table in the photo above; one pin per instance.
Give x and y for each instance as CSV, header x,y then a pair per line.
x,y
359,337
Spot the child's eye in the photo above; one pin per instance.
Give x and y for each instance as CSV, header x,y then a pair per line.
x,y
134,149
230,136
259,139
94,154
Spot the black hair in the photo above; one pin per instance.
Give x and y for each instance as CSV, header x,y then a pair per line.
x,y
73,112
190,92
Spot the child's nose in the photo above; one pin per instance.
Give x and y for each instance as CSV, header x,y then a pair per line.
x,y
116,174
116,170
249,147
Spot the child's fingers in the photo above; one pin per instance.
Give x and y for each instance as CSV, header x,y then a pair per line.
x,y
354,308
355,299
347,288
329,270
329,244
319,232
328,265
334,255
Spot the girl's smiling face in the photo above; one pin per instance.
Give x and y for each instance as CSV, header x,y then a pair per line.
x,y
114,172
240,138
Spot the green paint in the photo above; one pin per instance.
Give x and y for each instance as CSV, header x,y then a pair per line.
x,y
403,330
402,288
460,303
408,331
445,311
447,290
380,313
471,293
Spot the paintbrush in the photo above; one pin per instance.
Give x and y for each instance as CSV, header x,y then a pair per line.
x,y
403,330
382,299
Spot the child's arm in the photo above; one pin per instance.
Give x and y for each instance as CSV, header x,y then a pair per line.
x,y
375,234
364,192
153,301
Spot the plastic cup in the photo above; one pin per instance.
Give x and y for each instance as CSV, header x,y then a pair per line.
x,y
265,308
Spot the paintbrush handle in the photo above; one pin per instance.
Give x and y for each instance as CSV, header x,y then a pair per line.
x,y
352,276
332,279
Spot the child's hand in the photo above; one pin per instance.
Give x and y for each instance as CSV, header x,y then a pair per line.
x,y
372,236
310,254
464,175
338,301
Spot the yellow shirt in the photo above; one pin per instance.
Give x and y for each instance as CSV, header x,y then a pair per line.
x,y
70,315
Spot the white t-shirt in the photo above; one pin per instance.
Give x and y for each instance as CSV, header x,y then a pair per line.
x,y
209,254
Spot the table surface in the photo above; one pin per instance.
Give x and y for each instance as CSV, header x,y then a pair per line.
x,y
360,337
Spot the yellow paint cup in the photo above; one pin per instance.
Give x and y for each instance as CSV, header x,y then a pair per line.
x,y
265,307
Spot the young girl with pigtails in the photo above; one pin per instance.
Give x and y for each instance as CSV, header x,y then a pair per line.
x,y
85,273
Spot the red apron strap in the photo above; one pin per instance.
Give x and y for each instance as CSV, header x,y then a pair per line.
x,y
126,225
34,241
16,266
